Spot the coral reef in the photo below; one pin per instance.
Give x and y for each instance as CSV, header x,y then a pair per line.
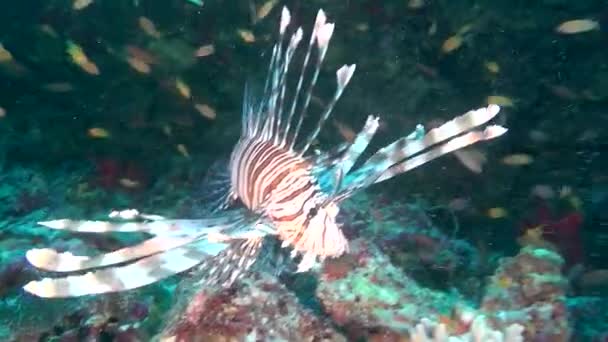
x,y
529,289
257,309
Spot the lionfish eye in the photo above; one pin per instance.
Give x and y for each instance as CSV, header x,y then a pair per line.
x,y
313,212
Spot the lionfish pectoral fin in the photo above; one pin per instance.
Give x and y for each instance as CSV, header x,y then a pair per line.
x,y
215,192
359,145
375,168
154,227
50,260
143,272
454,144
230,264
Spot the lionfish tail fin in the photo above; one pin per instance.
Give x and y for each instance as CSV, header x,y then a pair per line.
x,y
409,152
230,264
143,272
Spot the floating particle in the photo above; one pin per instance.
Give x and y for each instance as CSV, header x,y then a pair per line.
x,y
577,26
148,27
48,29
205,50
206,111
565,191
500,100
452,44
464,29
265,9
562,92
139,65
497,213
517,159
543,191
362,27
181,148
98,133
2,113
5,55
167,130
58,87
492,67
459,204
81,4
246,35
182,88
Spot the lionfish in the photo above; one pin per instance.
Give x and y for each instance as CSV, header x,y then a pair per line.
x,y
274,187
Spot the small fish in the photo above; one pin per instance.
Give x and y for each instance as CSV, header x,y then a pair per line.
x,y
500,100
472,159
58,87
98,133
129,183
246,35
205,50
497,213
416,4
79,58
517,159
206,111
5,55
265,9
81,4
182,88
577,26
2,113
345,131
492,67
139,65
288,195
148,27
452,44
183,150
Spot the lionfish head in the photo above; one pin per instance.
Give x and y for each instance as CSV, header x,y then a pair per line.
x,y
320,236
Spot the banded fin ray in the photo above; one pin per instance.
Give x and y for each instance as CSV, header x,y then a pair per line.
x,y
215,192
50,260
155,227
143,272
230,264
234,226
375,168
274,119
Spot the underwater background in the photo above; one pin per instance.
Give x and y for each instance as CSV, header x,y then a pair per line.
x,y
107,105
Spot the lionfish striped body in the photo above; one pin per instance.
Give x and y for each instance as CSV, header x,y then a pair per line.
x,y
285,192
